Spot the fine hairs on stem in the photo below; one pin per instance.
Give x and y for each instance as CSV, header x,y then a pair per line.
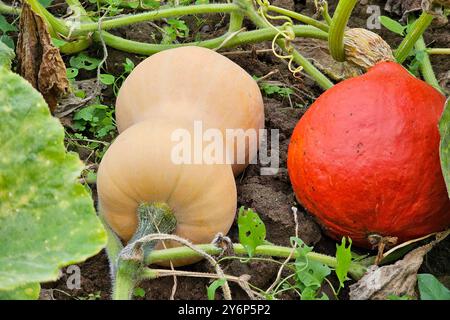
x,y
211,260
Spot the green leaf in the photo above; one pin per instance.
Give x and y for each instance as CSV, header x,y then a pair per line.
x,y
128,65
309,274
431,289
6,56
5,26
7,40
58,42
71,73
344,259
211,291
26,292
139,292
82,61
394,297
107,79
444,148
47,219
252,231
392,25
45,3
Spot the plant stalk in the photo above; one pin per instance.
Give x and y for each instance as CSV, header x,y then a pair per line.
x,y
155,15
438,50
300,17
6,9
337,28
158,256
418,28
246,37
426,69
309,68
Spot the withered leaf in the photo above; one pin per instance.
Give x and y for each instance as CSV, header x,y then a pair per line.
x,y
39,61
398,279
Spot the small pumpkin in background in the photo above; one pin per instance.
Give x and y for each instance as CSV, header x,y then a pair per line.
x,y
364,158
193,84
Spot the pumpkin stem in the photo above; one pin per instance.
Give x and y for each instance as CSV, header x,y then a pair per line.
x,y
382,243
156,217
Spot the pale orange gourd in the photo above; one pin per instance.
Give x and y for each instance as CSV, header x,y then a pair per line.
x,y
138,167
193,83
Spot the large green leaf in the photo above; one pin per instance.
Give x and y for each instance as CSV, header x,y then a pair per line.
x,y
444,129
47,219
6,55
431,289
25,292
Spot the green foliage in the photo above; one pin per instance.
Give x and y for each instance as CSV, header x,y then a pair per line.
x,y
128,66
83,61
309,273
270,89
47,219
431,289
175,28
394,297
5,28
393,25
252,231
107,79
28,291
6,56
344,259
444,148
45,3
212,288
97,119
92,296
139,292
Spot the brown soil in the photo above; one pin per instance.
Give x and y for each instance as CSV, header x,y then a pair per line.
x,y
270,196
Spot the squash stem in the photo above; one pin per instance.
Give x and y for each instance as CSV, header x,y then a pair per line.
x,y
426,69
6,9
155,15
438,50
127,265
309,68
128,275
300,17
418,28
157,256
241,38
337,28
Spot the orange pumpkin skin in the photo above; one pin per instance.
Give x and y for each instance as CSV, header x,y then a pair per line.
x,y
364,158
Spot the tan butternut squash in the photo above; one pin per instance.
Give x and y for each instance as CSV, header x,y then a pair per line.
x,y
193,84
139,168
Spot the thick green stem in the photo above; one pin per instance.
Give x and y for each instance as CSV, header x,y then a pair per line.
x,y
325,13
300,17
337,28
127,265
127,277
438,50
158,256
238,39
5,9
236,19
425,66
309,68
155,15
418,28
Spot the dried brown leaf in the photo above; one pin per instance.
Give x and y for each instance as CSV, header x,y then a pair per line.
x,y
39,60
397,279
